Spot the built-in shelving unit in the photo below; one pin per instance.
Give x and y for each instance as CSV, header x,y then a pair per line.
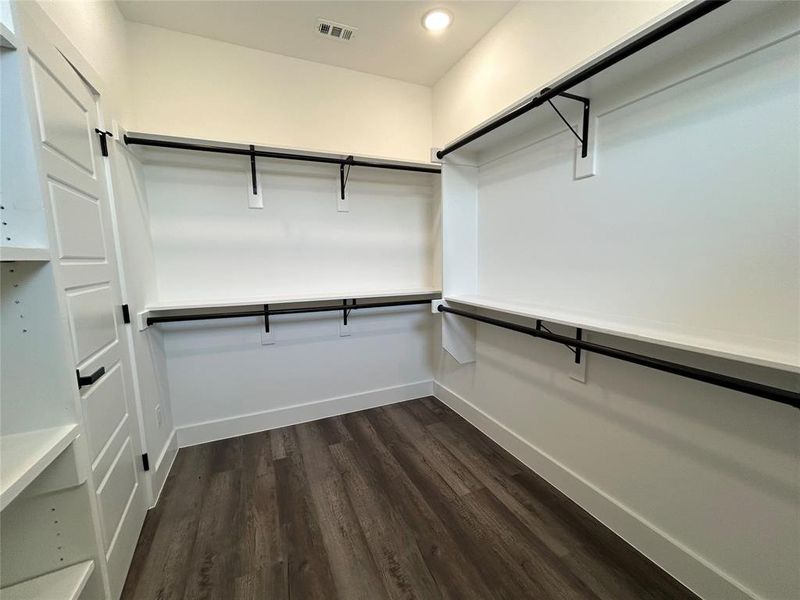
x,y
266,306
153,140
618,248
253,152
26,455
64,584
22,253
767,353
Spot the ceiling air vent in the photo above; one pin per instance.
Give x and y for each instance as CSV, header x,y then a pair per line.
x,y
330,29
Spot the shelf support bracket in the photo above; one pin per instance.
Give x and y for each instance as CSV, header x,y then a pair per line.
x,y
578,336
344,176
266,318
346,311
253,169
584,137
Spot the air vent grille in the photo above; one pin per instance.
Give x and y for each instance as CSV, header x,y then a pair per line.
x,y
337,31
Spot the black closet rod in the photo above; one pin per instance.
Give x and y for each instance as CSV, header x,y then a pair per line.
x,y
732,383
355,162
701,9
278,311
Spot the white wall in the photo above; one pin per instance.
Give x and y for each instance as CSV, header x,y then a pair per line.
x,y
533,44
209,245
224,382
692,219
190,86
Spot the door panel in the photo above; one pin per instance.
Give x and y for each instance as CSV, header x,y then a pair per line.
x,y
92,319
85,269
63,119
71,210
108,454
115,491
103,411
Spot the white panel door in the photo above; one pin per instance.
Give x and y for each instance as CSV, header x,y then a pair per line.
x,y
82,238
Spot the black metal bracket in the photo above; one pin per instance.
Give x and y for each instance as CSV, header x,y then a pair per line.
x,y
253,169
574,349
126,314
584,138
145,462
266,318
343,177
103,143
346,311
89,379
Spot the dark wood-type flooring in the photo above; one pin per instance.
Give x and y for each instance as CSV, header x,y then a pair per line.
x,y
403,501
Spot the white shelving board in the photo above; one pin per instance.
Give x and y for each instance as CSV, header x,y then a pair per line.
x,y
291,299
146,151
23,457
64,584
768,353
22,253
7,38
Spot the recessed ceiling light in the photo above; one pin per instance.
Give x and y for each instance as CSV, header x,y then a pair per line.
x,y
437,19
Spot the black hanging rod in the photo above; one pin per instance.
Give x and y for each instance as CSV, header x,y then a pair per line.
x,y
732,383
345,308
699,10
355,162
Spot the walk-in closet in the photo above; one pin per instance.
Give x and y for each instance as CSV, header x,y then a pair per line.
x,y
364,300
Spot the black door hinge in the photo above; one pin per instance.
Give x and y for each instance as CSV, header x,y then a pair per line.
x,y
126,314
145,462
103,143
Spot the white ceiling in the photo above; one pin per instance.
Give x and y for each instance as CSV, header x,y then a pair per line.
x,y
390,40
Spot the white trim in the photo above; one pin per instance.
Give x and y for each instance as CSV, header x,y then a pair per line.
x,y
218,429
695,572
163,465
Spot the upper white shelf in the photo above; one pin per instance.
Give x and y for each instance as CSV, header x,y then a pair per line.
x,y
291,299
775,354
22,253
23,457
713,38
241,146
64,584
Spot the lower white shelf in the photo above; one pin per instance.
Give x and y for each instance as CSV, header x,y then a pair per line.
x,y
20,253
23,457
775,354
64,584
376,294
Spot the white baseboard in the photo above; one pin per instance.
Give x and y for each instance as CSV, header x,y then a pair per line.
x,y
692,570
209,431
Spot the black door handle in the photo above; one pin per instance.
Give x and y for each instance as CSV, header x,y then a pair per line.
x,y
90,379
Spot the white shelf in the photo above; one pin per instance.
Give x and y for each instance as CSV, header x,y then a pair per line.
x,y
64,584
147,151
21,253
775,354
7,38
290,299
23,457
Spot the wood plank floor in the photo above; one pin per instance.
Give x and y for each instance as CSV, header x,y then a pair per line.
x,y
405,501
